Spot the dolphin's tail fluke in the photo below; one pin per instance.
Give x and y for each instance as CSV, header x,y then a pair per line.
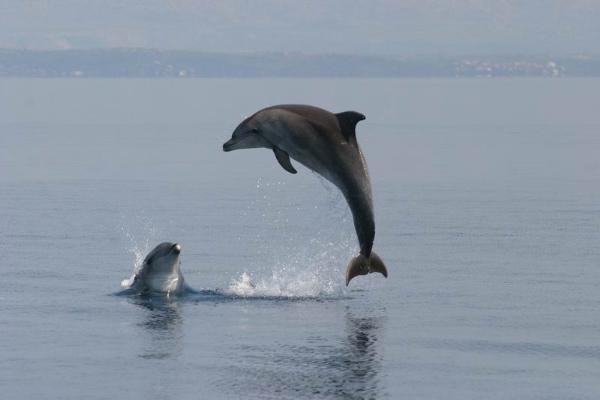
x,y
361,265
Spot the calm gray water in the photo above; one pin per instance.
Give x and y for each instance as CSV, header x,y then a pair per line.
x,y
487,207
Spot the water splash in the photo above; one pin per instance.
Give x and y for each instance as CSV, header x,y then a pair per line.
x,y
282,283
289,270
138,248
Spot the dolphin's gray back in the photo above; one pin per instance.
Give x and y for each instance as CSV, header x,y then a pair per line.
x,y
317,116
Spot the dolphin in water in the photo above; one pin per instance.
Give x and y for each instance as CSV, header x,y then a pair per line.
x,y
325,143
159,273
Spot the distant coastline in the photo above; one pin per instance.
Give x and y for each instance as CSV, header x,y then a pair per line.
x,y
148,63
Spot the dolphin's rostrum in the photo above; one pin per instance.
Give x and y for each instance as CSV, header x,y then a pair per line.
x,y
325,143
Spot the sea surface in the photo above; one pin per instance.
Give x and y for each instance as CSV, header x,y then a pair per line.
x,y
487,204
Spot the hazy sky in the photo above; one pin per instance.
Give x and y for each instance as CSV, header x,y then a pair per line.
x,y
408,27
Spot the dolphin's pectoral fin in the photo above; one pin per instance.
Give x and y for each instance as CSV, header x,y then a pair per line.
x,y
284,160
348,121
361,265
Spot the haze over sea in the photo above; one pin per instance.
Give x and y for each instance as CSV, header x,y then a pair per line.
x,y
487,203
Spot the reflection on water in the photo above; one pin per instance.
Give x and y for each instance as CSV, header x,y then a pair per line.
x,y
162,327
348,369
361,359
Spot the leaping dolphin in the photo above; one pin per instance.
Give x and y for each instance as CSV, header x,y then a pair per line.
x,y
325,143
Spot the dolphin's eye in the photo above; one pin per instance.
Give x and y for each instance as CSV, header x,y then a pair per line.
x,y
254,130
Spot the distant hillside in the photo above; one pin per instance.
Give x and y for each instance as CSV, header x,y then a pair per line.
x,y
143,63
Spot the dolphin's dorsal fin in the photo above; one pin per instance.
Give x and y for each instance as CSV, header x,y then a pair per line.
x,y
284,160
348,121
